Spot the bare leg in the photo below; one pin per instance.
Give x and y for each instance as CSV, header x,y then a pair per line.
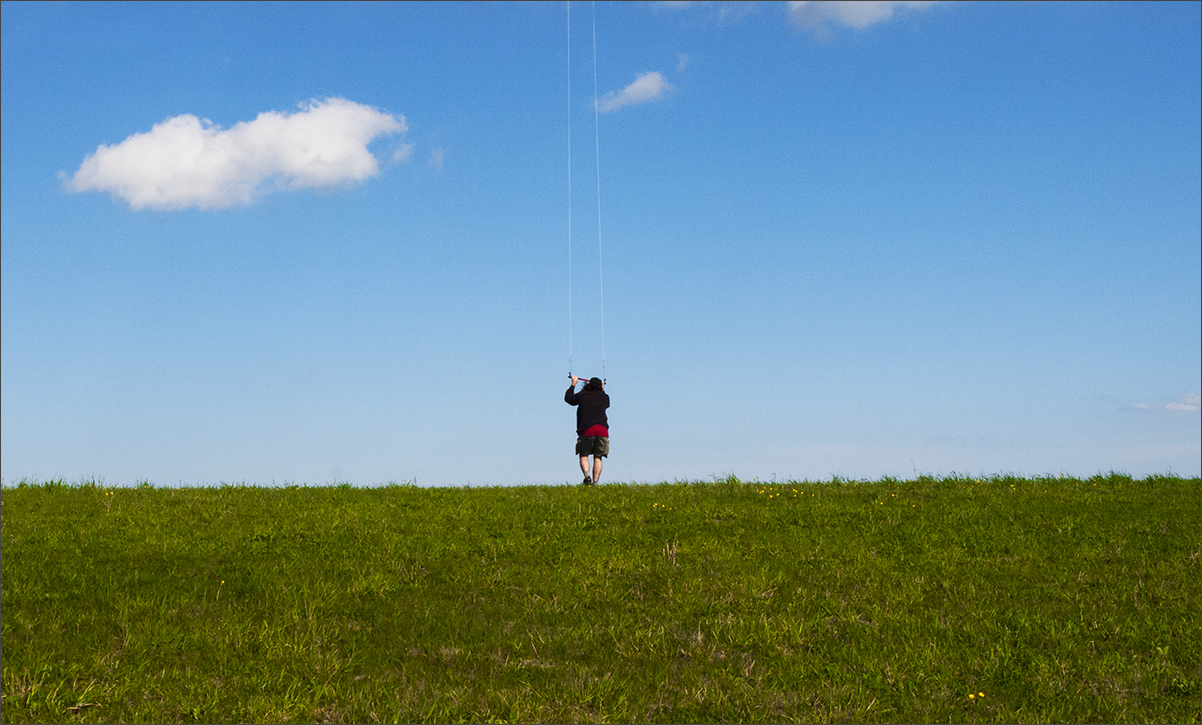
x,y
584,465
596,469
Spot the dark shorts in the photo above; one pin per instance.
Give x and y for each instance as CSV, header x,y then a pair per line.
x,y
592,446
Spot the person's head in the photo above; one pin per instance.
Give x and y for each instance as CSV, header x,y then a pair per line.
x,y
593,384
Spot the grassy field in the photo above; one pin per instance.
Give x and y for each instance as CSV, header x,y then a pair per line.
x,y
953,599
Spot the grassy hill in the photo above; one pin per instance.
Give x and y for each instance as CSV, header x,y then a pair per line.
x,y
999,600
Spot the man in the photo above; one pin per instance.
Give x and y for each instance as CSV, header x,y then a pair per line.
x,y
592,427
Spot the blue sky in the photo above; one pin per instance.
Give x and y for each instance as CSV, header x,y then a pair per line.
x,y
310,243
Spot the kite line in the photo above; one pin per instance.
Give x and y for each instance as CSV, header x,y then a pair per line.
x,y
569,4
597,141
597,151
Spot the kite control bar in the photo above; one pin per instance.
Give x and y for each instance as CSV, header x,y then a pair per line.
x,y
582,378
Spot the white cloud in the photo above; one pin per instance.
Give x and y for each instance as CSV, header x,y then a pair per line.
x,y
858,14
403,152
184,161
646,87
1186,403
682,62
437,158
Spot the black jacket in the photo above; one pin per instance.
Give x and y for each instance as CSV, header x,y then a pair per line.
x,y
590,408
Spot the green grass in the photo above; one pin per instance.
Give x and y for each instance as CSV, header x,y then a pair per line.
x,y
1060,599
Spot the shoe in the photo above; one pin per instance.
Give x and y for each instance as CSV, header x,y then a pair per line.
x,y
588,481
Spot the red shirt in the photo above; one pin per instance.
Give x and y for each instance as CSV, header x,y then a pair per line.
x,y
596,430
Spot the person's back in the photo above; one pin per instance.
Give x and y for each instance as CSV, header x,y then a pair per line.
x,y
592,425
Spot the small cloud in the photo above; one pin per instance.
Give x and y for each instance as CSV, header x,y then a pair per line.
x,y
1186,403
858,14
185,161
682,62
718,11
437,158
647,87
403,153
